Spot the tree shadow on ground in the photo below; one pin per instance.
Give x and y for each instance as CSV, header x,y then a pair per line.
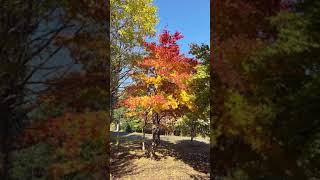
x,y
195,154
121,155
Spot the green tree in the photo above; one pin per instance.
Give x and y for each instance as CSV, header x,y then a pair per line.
x,y
198,121
286,75
265,95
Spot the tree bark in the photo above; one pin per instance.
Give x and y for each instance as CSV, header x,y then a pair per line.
x,y
143,140
143,132
192,132
118,129
5,149
155,134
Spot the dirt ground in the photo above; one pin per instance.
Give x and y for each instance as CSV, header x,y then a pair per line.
x,y
178,158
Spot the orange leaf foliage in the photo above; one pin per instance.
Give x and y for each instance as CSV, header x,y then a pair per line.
x,y
68,132
160,79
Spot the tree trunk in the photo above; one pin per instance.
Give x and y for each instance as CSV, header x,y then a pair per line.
x,y
143,131
192,132
118,129
5,159
155,134
5,155
143,140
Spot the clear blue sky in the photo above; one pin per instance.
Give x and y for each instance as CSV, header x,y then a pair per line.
x,y
190,17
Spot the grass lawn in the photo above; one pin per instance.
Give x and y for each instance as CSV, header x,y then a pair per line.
x,y
178,158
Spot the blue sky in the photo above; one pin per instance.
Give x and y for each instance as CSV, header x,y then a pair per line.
x,y
190,17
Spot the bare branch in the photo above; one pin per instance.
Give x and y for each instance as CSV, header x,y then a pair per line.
x,y
41,64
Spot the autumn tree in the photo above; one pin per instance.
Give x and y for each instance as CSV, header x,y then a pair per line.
x,y
84,93
132,21
27,58
74,144
42,42
231,45
159,82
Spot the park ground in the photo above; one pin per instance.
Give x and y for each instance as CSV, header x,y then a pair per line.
x,y
178,158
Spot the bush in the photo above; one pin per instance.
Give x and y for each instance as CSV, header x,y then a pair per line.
x,y
128,128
